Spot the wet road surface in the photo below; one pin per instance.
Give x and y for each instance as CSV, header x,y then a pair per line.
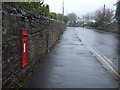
x,y
70,64
105,42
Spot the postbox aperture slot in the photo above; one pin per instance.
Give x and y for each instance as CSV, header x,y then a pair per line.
x,y
25,35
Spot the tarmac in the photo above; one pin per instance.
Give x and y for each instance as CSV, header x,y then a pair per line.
x,y
70,64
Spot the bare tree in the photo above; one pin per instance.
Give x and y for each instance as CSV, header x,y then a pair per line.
x,y
104,15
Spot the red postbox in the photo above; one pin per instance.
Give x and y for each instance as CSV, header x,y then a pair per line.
x,y
24,36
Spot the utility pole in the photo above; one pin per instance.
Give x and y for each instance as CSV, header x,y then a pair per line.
x,y
104,13
62,10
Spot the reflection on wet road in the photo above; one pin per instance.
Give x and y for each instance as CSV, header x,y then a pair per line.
x,y
70,64
105,42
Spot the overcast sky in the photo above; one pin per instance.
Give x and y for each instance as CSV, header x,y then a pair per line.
x,y
80,7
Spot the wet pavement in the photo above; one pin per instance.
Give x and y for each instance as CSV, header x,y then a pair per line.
x,y
70,64
105,42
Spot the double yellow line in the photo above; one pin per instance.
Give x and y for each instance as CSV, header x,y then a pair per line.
x,y
99,54
115,71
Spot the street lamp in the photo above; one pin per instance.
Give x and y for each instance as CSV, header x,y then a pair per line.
x,y
62,10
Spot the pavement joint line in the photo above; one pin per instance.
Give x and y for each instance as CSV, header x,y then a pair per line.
x,y
101,56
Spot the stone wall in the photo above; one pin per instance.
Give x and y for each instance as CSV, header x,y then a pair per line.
x,y
0,46
113,28
43,34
